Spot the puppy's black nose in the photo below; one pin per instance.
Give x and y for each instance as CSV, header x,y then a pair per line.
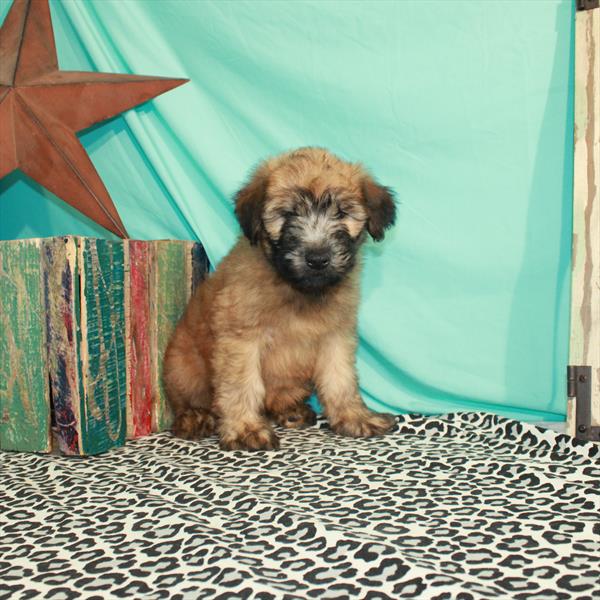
x,y
318,259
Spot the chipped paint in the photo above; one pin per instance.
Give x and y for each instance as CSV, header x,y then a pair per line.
x,y
103,363
137,305
592,165
24,391
169,294
61,341
84,304
79,308
585,291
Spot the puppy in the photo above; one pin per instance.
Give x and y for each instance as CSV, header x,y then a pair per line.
x,y
277,319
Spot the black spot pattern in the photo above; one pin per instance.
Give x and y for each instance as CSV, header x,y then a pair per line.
x,y
463,506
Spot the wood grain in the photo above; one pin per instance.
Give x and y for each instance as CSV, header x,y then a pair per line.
x,y
84,303
137,307
102,344
24,390
85,323
585,294
61,290
177,268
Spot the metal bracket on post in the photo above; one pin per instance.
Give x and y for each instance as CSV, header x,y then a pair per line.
x,y
587,4
579,386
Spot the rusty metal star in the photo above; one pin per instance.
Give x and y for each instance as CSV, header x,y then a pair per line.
x,y
42,108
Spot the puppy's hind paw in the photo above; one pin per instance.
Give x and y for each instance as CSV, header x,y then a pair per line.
x,y
369,425
251,437
297,417
194,424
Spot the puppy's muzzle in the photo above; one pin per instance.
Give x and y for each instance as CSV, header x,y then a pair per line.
x,y
318,259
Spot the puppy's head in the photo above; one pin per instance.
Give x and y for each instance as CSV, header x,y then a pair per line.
x,y
310,212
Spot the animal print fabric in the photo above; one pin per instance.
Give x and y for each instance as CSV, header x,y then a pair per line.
x,y
455,507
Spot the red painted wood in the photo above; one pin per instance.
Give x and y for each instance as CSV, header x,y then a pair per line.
x,y
140,381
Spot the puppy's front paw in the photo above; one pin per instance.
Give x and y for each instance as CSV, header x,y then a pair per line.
x,y
366,425
250,437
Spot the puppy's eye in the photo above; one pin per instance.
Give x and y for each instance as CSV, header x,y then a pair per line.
x,y
340,213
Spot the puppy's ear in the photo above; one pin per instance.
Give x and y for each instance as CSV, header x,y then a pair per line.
x,y
381,209
249,203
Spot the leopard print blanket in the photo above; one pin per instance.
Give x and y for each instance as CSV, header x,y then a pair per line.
x,y
462,506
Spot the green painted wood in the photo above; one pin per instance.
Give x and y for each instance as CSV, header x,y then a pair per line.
x,y
70,313
24,392
101,333
171,289
84,289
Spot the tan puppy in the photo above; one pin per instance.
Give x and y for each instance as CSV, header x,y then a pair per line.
x,y
277,319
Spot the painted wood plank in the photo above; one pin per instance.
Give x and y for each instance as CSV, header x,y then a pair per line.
x,y
101,339
170,292
585,294
137,307
106,308
61,288
24,390
84,303
177,267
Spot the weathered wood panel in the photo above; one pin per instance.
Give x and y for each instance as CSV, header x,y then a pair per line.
x,y
24,390
93,332
177,268
61,289
137,307
103,383
585,295
170,291
84,289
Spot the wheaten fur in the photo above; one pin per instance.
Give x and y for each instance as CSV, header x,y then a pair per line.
x,y
265,330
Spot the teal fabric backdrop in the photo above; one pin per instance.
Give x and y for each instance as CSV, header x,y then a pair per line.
x,y
464,108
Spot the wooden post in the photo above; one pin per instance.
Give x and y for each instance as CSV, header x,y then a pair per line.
x,y
101,265
137,307
24,390
84,324
585,294
84,303
177,268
